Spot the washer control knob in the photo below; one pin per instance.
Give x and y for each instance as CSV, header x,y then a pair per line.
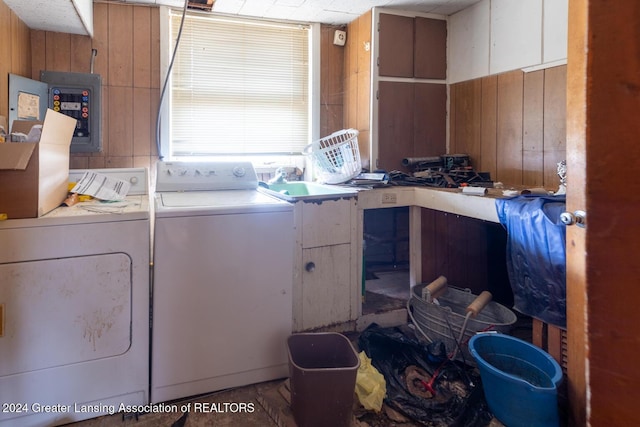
x,y
239,171
133,180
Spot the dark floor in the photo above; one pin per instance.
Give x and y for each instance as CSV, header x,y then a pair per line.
x,y
266,404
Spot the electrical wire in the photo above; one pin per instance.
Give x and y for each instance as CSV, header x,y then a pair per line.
x,y
166,80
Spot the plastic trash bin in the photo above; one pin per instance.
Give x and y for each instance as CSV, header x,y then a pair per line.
x,y
322,375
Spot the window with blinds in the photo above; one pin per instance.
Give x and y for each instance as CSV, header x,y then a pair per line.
x,y
239,87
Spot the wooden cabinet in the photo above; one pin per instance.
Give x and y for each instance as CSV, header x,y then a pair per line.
x,y
412,47
402,94
496,36
395,45
411,121
325,290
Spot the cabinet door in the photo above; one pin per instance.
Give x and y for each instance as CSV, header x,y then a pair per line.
x,y
430,53
326,286
395,45
395,124
411,122
430,129
326,223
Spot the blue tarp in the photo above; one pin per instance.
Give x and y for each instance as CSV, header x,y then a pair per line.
x,y
536,255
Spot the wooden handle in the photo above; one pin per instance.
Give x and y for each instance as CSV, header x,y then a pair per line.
x,y
479,303
437,287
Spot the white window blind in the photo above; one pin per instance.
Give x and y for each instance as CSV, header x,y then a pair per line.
x,y
239,86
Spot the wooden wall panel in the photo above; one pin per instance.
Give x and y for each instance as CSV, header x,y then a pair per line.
x,y
363,40
156,78
332,82
521,125
141,45
20,58
357,81
100,42
5,52
15,52
509,127
532,129
38,53
80,59
452,139
555,124
331,67
468,115
364,85
489,126
58,52
142,117
121,113
470,253
121,30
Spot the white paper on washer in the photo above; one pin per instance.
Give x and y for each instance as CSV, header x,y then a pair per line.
x,y
101,186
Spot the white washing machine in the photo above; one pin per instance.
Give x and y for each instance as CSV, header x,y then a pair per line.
x,y
74,296
223,263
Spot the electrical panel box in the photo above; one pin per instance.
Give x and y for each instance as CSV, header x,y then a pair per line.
x,y
78,95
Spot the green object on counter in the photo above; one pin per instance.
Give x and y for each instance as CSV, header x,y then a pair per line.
x,y
305,190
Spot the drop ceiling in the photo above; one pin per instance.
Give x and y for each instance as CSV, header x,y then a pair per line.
x,y
74,16
324,11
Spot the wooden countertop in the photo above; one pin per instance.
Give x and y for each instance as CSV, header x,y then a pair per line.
x,y
450,200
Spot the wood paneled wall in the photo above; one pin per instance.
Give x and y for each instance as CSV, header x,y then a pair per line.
x,y
127,38
357,75
469,252
15,53
331,82
512,125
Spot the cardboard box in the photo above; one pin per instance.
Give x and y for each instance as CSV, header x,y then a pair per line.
x,y
33,176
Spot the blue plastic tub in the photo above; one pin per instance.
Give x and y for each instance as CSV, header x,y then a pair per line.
x,y
520,380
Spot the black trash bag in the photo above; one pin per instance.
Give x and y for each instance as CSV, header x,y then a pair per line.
x,y
397,354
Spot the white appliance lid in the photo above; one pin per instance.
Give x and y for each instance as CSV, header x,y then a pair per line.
x,y
217,202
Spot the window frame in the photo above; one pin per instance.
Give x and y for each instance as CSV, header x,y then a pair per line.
x,y
262,163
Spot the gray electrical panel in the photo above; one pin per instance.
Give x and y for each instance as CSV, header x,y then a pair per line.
x,y
78,95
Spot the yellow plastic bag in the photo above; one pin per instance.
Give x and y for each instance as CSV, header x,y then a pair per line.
x,y
370,384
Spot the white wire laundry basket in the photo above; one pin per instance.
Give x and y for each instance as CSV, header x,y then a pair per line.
x,y
337,156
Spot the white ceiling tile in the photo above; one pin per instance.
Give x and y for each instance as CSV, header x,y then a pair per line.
x,y
229,6
290,3
331,11
257,9
56,15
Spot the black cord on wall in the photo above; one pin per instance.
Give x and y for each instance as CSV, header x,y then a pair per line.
x,y
166,81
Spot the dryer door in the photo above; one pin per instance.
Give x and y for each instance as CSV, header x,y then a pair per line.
x,y
63,311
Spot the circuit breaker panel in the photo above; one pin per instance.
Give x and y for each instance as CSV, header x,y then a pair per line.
x,y
78,95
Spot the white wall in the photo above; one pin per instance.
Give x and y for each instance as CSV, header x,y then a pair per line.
x,y
494,36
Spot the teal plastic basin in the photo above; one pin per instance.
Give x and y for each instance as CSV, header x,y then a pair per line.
x,y
301,190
